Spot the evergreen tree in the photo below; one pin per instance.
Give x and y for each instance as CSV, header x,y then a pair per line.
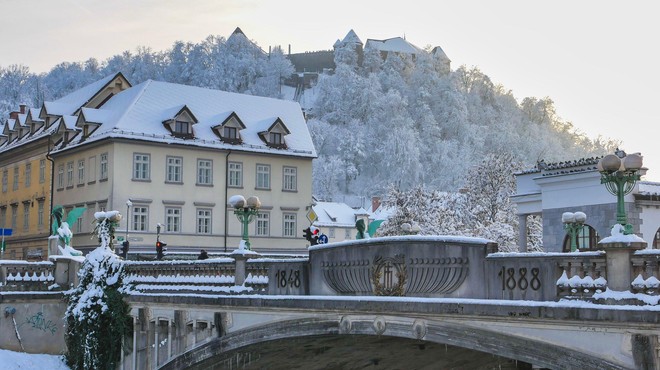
x,y
97,317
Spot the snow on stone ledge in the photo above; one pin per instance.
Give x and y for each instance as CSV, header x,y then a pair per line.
x,y
406,238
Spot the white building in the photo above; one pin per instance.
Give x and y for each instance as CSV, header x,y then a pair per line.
x,y
550,189
178,153
337,220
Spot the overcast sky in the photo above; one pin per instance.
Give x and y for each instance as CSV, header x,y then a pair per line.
x,y
598,60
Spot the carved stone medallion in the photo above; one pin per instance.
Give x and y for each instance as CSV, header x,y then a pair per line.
x,y
389,275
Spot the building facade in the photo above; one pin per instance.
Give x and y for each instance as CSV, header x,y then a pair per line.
x,y
169,157
550,189
26,168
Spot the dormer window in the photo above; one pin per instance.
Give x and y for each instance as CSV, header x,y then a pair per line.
x,y
274,135
229,129
181,123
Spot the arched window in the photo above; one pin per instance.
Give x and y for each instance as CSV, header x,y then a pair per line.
x,y
587,239
656,240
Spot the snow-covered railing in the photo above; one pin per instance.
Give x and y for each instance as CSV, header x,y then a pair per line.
x,y
26,276
582,275
646,271
194,276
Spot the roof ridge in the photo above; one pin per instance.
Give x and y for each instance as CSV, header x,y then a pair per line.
x,y
134,101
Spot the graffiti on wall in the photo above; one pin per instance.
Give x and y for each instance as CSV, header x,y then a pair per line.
x,y
37,321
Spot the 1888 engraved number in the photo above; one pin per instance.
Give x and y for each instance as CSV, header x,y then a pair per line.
x,y
522,281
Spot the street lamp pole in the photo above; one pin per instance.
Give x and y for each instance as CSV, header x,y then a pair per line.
x,y
619,172
246,212
573,224
129,204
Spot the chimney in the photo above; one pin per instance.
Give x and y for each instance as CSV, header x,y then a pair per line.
x,y
13,115
375,203
289,49
22,108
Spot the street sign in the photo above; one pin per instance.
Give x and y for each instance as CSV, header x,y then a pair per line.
x,y
323,239
5,232
311,215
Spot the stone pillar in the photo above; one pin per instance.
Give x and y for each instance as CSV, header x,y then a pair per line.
x,y
52,246
522,233
240,259
619,267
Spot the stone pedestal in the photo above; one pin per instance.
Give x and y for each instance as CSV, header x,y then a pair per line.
x,y
619,267
240,257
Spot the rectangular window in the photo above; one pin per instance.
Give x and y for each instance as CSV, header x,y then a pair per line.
x,y
290,224
103,206
290,179
181,127
347,234
173,220
3,217
15,187
140,218
141,166
174,169
79,222
331,232
104,167
91,170
28,174
81,172
203,221
26,216
263,224
14,215
5,180
69,174
235,174
230,132
60,176
40,214
275,138
42,171
204,172
263,176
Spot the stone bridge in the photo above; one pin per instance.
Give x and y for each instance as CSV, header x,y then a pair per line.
x,y
398,302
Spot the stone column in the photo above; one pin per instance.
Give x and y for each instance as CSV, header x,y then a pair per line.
x,y
619,267
522,233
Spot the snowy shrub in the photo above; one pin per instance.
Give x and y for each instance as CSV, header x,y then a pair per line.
x,y
97,317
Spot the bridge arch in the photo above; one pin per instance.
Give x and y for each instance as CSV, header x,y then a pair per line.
x,y
395,332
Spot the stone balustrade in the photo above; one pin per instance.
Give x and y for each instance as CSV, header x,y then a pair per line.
x,y
443,267
646,272
26,276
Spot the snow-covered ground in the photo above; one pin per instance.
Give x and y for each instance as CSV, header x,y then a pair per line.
x,y
11,360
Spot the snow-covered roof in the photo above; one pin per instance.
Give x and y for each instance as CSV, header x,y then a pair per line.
x,y
438,52
395,44
564,167
139,112
381,213
331,214
83,95
351,38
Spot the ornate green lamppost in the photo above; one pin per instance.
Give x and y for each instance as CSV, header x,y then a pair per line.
x,y
619,172
573,224
246,212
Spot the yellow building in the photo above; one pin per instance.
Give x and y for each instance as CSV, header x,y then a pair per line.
x,y
26,139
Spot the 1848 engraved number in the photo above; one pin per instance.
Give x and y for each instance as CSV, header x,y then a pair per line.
x,y
290,279
522,280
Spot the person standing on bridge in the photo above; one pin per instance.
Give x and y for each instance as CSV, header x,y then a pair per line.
x,y
202,255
